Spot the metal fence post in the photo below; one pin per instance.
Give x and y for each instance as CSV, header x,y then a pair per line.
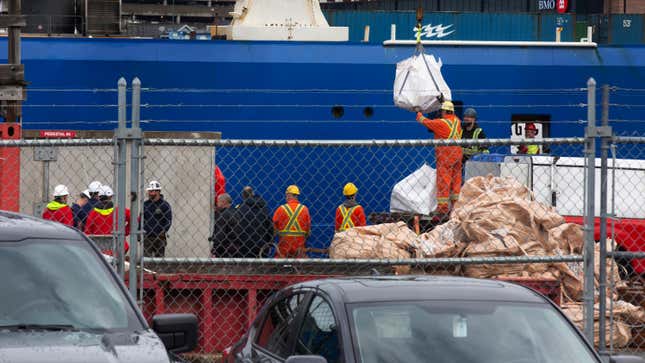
x,y
604,146
121,179
134,184
590,151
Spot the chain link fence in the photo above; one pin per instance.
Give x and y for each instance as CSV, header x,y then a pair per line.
x,y
625,228
215,248
226,284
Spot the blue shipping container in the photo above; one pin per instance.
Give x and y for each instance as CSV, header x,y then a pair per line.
x,y
626,29
549,23
437,26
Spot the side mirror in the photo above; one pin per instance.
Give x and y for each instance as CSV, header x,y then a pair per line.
x,y
178,332
626,359
306,359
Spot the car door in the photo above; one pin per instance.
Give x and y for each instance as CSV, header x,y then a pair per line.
x,y
275,339
319,332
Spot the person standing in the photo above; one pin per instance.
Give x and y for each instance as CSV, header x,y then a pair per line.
x,y
78,210
157,219
531,131
448,127
224,240
293,224
254,227
350,214
100,220
57,210
472,131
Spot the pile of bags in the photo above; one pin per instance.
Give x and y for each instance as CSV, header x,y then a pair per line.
x,y
493,217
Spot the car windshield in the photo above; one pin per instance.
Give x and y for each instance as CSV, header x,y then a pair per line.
x,y
465,332
60,283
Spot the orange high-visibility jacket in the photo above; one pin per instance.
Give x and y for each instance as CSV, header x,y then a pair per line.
x,y
293,225
447,128
347,218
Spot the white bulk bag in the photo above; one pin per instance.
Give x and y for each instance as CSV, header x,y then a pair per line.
x,y
416,193
419,84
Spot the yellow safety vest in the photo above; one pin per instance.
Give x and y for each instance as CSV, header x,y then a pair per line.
x,y
533,149
293,228
472,150
347,217
104,212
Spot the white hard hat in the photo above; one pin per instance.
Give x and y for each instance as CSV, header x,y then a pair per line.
x,y
60,190
94,186
106,191
153,185
86,193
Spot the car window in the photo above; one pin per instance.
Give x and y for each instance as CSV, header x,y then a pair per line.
x,y
277,325
319,333
463,331
61,283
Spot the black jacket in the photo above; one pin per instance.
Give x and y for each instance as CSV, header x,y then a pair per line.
x,y
254,226
225,242
477,133
157,217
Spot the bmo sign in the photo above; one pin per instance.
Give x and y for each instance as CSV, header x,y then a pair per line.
x,y
559,5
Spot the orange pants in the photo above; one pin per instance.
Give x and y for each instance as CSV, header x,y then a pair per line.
x,y
448,176
291,247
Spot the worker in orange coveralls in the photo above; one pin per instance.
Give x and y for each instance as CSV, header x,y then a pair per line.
x,y
350,214
100,219
57,210
448,127
292,223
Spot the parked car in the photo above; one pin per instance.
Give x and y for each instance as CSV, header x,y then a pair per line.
x,y
412,319
61,302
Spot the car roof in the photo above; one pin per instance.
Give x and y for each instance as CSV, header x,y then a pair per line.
x,y
410,287
17,227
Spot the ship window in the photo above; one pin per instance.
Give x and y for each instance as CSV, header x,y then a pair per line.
x,y
337,111
368,112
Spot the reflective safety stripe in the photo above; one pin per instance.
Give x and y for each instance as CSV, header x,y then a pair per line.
x,y
455,133
474,149
347,217
293,226
104,212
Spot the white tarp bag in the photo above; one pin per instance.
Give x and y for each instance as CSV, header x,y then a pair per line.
x,y
419,85
416,193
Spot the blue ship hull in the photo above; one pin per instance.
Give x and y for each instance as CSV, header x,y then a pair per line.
x,y
269,90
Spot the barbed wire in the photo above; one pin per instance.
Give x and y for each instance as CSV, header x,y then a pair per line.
x,y
308,90
325,121
180,105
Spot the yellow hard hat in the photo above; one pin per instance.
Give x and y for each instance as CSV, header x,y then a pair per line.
x,y
293,189
349,189
448,106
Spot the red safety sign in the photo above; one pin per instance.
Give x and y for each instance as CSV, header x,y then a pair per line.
x,y
57,134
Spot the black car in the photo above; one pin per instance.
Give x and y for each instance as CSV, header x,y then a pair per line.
x,y
412,319
61,302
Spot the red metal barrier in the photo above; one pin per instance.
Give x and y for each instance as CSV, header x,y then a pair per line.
x,y
226,305
10,169
629,233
